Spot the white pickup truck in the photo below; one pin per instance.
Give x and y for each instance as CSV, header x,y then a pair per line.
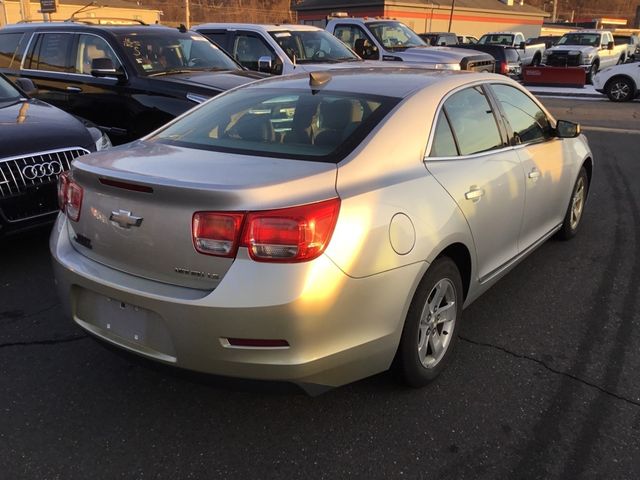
x,y
393,41
590,49
529,54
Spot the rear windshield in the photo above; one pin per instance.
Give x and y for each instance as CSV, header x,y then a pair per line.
x,y
297,124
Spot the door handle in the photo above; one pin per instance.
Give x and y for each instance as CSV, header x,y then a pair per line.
x,y
533,174
74,89
474,193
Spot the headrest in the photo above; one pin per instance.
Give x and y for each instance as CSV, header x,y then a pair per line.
x,y
255,128
336,115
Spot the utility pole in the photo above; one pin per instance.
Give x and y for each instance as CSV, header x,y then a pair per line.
x,y
453,5
187,14
25,10
554,15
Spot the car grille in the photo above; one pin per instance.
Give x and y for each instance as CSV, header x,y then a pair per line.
x,y
27,183
563,59
481,65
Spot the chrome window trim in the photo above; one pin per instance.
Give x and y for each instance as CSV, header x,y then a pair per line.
x,y
37,32
432,131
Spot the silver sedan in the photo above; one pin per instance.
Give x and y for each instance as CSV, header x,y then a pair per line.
x,y
318,228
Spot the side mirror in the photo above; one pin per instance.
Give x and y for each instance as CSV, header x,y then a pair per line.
x,y
265,64
522,45
610,46
566,129
27,86
103,67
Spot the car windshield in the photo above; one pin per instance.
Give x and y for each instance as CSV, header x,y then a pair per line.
x,y
496,39
168,51
7,92
294,124
590,39
313,46
395,35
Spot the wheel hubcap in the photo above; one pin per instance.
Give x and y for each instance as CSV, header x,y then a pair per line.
x,y
620,90
436,325
577,204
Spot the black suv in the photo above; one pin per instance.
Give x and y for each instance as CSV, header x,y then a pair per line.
x,y
128,80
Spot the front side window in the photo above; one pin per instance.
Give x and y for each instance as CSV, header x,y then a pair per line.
x,y
8,50
527,120
395,35
473,121
161,52
247,50
350,34
52,53
292,124
313,46
91,47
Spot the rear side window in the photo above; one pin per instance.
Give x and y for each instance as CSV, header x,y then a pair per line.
x,y
444,145
52,53
9,43
527,120
296,124
219,38
473,121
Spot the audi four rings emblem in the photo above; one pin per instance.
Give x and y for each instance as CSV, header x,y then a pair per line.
x,y
42,170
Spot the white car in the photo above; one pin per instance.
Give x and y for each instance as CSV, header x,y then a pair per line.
x,y
620,83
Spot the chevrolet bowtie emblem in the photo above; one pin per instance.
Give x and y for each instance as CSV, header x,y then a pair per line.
x,y
124,219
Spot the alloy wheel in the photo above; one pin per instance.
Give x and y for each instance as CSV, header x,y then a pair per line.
x,y
577,203
437,322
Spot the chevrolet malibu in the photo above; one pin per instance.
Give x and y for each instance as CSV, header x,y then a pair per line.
x,y
318,228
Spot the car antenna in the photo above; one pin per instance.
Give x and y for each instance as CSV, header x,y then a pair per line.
x,y
317,79
182,28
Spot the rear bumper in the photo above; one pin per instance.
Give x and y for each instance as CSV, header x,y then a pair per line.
x,y
339,329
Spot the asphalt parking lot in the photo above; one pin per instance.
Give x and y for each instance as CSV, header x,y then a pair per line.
x,y
544,385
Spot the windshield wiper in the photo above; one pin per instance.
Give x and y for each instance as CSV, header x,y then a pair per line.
x,y
171,72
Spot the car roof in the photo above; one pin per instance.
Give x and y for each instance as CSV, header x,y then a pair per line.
x,y
256,27
392,81
85,26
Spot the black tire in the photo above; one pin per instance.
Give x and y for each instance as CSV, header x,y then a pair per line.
x,y
620,89
536,60
570,224
408,365
595,66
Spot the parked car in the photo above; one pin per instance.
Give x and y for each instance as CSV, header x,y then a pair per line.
x,y
467,39
280,49
548,40
440,39
621,83
37,143
589,49
530,54
313,228
390,40
128,80
632,44
507,58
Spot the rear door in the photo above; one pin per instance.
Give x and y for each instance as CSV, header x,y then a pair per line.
x,y
547,176
470,158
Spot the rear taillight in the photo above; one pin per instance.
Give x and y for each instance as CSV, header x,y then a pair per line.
x,y
217,233
63,183
295,234
69,196
504,68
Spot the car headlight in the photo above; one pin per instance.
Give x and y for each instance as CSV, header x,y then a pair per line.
x,y
101,139
446,66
